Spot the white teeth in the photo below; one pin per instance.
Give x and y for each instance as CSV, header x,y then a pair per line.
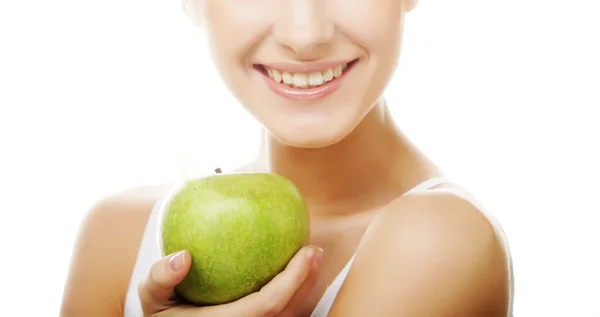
x,y
328,75
304,80
315,79
276,75
300,80
337,72
288,78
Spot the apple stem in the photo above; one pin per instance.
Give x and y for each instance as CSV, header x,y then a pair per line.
x,y
218,170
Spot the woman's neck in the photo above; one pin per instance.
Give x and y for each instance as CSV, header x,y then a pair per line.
x,y
371,166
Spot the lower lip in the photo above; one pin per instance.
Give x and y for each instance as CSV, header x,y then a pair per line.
x,y
306,94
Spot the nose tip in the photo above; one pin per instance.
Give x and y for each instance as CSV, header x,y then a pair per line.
x,y
304,27
305,40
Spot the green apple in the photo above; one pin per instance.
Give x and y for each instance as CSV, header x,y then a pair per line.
x,y
240,228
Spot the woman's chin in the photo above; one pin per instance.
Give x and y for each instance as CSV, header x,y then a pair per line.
x,y
307,137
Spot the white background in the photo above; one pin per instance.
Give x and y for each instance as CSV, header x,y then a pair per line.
x,y
100,96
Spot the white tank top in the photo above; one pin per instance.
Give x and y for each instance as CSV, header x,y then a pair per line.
x,y
149,253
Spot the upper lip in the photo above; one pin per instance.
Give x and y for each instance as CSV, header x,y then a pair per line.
x,y
306,67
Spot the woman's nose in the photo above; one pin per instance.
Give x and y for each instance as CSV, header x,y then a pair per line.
x,y
304,26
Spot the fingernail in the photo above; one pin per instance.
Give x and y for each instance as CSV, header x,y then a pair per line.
x,y
319,256
310,255
176,261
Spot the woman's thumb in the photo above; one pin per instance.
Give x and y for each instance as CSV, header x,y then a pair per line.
x,y
157,291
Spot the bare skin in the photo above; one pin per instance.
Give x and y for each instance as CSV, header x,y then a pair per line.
x,y
431,253
440,230
105,253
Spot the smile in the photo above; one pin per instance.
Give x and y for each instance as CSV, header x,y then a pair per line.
x,y
305,82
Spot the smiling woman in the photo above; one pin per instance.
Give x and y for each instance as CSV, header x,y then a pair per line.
x,y
391,235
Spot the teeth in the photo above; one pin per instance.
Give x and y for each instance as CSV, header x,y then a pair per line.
x,y
304,80
276,75
288,78
315,79
338,72
328,75
300,80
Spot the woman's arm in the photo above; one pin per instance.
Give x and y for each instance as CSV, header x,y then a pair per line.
x,y
431,254
104,256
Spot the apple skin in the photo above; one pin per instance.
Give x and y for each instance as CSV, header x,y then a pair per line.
x,y
241,230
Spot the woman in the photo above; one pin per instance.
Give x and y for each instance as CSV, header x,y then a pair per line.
x,y
390,235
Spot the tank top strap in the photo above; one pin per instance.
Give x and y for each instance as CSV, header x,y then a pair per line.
x,y
428,184
148,253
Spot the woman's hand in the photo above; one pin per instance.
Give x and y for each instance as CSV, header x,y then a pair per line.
x,y
282,296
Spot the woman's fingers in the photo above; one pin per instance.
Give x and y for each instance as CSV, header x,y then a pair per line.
x,y
303,292
157,291
275,296
293,284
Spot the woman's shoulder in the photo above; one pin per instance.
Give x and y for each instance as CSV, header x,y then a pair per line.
x,y
105,251
448,206
126,210
446,211
438,246
131,202
447,220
